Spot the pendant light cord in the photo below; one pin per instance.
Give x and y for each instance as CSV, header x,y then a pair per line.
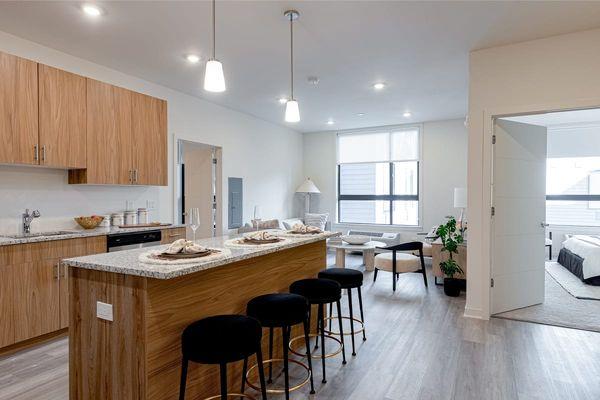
x,y
292,55
214,36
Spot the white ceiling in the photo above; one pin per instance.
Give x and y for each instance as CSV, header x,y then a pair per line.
x,y
420,49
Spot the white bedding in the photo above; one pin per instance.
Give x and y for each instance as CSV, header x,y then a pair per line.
x,y
588,248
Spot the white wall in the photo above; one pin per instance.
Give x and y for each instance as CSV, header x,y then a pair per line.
x,y
555,73
267,156
444,167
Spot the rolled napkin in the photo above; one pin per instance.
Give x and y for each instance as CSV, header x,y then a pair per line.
x,y
301,228
261,235
184,246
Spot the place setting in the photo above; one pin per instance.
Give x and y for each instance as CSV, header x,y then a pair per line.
x,y
301,231
183,251
257,239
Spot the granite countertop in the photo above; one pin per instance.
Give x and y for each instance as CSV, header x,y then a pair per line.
x,y
78,233
127,261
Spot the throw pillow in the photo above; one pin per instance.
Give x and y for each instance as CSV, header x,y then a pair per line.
x,y
318,220
289,223
267,224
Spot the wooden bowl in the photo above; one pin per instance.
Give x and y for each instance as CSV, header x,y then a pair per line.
x,y
89,222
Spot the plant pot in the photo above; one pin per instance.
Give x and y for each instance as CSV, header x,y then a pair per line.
x,y
452,287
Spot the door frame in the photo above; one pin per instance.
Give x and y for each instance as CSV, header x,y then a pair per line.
x,y
486,198
217,176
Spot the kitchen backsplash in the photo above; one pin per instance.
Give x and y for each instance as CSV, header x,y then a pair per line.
x,y
47,190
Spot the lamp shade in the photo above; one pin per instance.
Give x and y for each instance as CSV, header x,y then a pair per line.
x,y
308,187
214,80
460,198
292,111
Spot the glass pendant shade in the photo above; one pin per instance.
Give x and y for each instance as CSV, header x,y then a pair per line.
x,y
214,80
292,111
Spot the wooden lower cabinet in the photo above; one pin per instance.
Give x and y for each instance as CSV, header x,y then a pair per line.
x,y
34,293
168,236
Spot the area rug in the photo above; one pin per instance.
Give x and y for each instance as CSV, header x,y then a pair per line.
x,y
559,309
571,283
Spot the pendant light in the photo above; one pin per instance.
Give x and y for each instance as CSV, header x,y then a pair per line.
x,y
214,80
292,111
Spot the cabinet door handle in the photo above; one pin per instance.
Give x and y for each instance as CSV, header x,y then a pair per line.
x,y
36,153
57,271
135,175
176,234
130,176
44,153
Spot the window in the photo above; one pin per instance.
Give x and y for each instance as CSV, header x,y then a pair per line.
x,y
378,177
573,191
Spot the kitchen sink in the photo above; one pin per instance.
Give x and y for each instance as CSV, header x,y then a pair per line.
x,y
37,234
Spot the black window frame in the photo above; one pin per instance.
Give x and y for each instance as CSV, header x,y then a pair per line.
x,y
382,197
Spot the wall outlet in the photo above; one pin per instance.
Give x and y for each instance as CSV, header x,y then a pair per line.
x,y
150,204
104,311
129,206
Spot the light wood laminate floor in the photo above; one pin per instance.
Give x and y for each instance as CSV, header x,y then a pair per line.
x,y
419,347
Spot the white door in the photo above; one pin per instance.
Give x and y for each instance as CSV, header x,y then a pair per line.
x,y
518,228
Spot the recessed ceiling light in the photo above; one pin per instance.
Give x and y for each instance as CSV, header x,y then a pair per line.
x,y
330,122
91,10
361,114
192,58
282,100
379,86
406,114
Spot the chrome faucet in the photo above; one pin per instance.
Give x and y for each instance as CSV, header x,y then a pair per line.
x,y
27,218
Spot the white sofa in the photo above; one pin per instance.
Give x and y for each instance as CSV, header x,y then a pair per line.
x,y
283,224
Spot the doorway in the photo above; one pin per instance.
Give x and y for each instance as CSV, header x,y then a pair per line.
x,y
546,219
198,184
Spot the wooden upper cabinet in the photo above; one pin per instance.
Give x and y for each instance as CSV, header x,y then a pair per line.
x,y
62,118
149,140
109,135
18,110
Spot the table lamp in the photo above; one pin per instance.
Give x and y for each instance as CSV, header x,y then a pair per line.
x,y
307,187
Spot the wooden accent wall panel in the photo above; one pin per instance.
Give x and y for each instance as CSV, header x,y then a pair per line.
x,y
107,359
149,140
138,355
62,118
168,236
109,135
18,109
175,303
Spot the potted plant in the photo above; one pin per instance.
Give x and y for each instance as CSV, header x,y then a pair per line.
x,y
451,238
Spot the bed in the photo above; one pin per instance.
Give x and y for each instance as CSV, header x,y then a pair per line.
x,y
580,254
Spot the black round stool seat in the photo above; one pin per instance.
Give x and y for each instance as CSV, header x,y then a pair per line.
x,y
317,291
221,339
347,278
278,309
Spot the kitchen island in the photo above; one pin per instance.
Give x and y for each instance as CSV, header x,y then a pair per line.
x,y
135,352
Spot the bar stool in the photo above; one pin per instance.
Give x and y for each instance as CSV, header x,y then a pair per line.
x,y
281,310
221,339
348,279
321,292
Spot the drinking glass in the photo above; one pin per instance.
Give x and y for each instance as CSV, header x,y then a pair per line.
x,y
194,221
257,216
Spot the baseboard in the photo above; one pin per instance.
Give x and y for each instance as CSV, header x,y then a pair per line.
x,y
476,313
13,348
